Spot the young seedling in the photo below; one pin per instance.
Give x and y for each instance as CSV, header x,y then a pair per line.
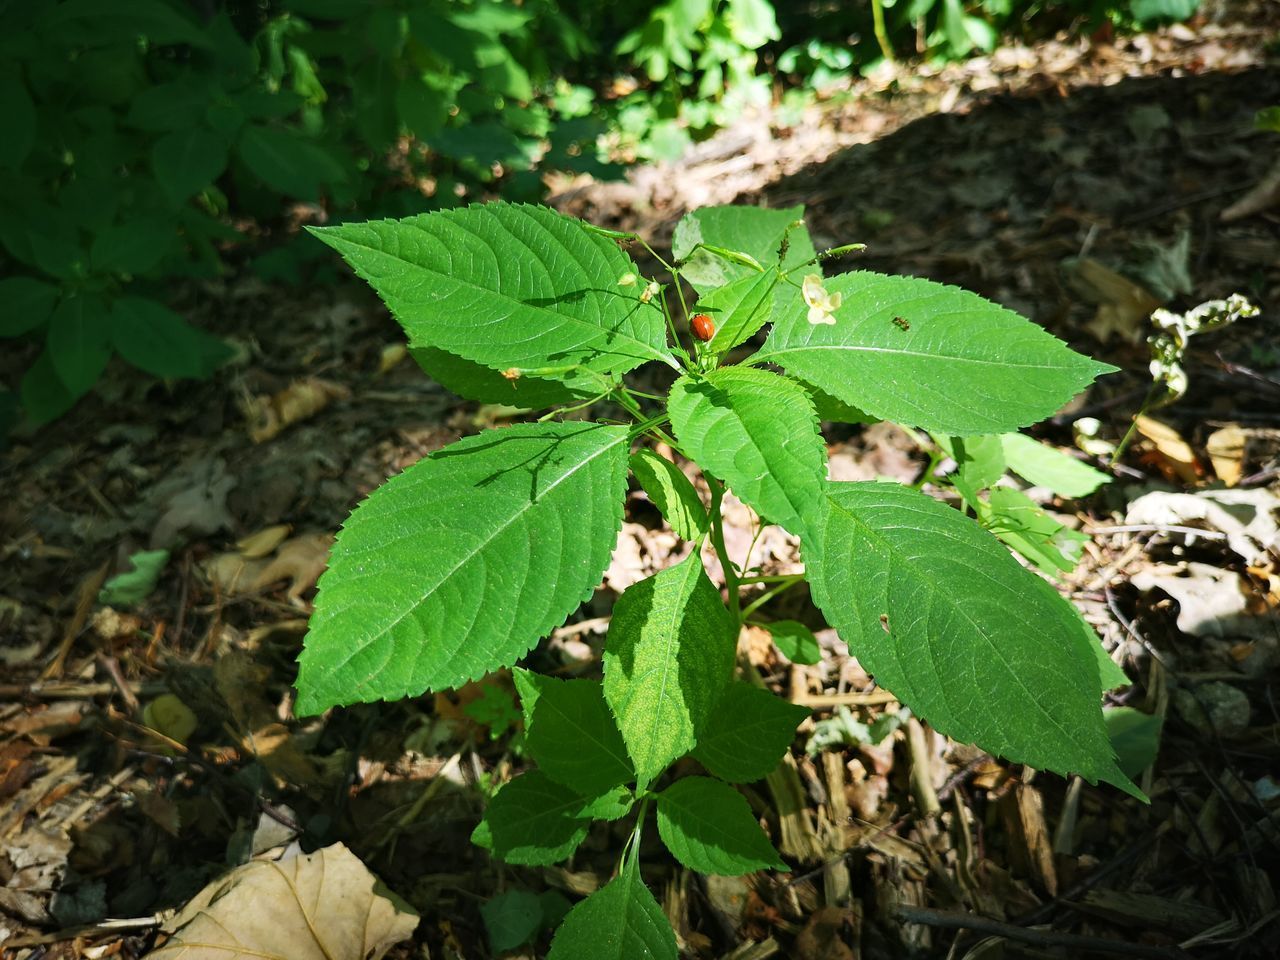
x,y
461,564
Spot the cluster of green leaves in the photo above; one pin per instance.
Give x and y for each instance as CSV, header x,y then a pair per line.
x,y
816,48
459,565
134,132
101,160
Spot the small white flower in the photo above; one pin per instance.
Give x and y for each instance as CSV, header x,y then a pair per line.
x,y
822,305
627,280
650,291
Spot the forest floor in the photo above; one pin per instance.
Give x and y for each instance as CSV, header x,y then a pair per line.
x,y
147,742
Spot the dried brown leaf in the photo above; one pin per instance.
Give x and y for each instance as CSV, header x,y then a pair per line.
x,y
322,906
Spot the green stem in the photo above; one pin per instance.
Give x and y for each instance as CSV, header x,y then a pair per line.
x,y
768,595
772,578
882,35
1147,405
731,582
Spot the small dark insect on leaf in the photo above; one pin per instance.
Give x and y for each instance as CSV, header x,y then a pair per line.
x,y
901,323
704,328
884,621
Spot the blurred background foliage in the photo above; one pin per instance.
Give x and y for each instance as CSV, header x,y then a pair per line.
x,y
146,141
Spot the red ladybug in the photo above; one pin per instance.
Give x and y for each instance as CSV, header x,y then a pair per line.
x,y
704,328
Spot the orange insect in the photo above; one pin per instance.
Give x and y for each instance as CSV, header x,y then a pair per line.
x,y
704,328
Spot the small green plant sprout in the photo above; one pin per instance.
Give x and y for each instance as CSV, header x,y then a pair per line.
x,y
459,565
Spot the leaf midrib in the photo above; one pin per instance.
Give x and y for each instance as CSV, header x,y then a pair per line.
x,y
468,557
598,332
769,356
872,533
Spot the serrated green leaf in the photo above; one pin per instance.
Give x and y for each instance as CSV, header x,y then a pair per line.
x,y
1135,736
962,365
612,804
795,640
668,656
755,231
620,921
1043,466
25,304
511,918
507,286
79,342
739,309
758,432
532,821
672,493
153,338
1041,540
186,161
475,381
947,620
570,732
708,826
748,733
460,564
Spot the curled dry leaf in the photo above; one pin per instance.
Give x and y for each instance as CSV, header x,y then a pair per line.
x,y
264,542
299,560
322,906
1123,306
1171,454
268,415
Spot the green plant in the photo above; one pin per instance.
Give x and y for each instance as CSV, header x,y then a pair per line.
x,y
459,565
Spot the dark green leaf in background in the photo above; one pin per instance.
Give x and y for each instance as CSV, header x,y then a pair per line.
x,y
153,338
134,246
287,162
17,119
1135,736
44,396
25,304
511,918
186,161
79,342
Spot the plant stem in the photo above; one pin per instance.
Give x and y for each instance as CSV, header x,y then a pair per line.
x,y
882,35
768,595
731,582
